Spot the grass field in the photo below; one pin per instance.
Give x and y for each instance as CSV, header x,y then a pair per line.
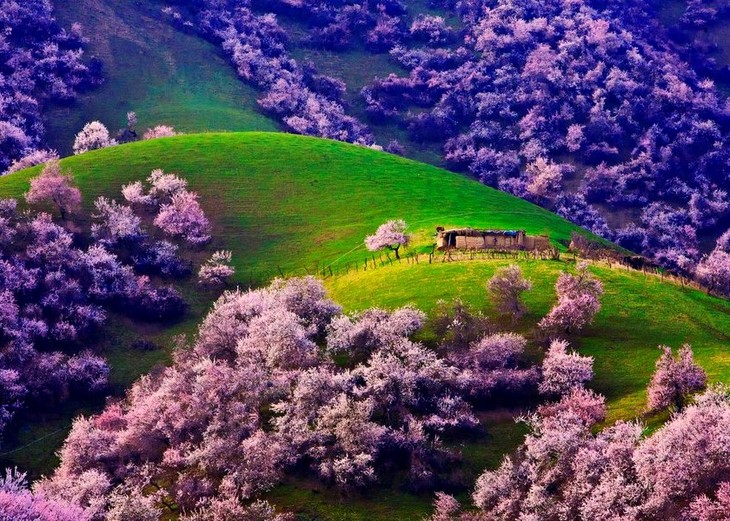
x,y
163,74
289,204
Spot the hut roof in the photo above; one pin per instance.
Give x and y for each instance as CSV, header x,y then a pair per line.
x,y
471,232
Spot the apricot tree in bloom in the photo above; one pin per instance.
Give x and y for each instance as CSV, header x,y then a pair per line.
x,y
390,235
543,179
93,136
54,185
183,217
578,302
116,222
562,371
506,288
18,503
36,157
217,269
675,378
714,272
159,131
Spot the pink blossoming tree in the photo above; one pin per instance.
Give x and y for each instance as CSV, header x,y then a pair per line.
x,y
390,235
506,288
54,185
675,379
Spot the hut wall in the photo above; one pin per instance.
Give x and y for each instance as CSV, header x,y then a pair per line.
x,y
539,242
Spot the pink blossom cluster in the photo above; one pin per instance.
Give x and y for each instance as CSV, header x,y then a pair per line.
x,y
304,101
255,397
541,92
39,62
578,302
564,470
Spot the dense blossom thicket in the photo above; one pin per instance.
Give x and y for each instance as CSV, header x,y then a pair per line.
x,y
548,91
256,396
18,503
565,471
57,289
303,100
279,380
581,106
39,61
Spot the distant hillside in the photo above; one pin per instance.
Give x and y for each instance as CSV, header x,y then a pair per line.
x,y
288,202
163,74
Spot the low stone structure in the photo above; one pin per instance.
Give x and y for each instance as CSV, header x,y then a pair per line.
x,y
473,239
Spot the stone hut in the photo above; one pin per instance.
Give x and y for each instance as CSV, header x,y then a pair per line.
x,y
472,239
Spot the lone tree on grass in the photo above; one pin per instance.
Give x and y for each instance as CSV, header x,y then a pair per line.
x,y
674,379
390,236
506,288
54,185
93,136
578,302
217,269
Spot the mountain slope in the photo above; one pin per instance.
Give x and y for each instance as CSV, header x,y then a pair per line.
x,y
165,75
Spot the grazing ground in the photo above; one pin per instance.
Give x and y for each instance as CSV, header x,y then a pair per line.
x,y
163,74
291,205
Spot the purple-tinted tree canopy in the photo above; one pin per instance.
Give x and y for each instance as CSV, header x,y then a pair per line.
x,y
39,62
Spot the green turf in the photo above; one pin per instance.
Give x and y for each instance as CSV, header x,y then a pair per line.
x,y
165,75
290,204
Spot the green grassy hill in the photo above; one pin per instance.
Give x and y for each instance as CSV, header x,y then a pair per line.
x,y
292,205
165,75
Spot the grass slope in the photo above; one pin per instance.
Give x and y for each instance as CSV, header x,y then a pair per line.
x,y
293,204
167,76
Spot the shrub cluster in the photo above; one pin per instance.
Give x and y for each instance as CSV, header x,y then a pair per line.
x,y
58,286
256,396
39,61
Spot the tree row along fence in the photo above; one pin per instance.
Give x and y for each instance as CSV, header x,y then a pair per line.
x,y
381,260
376,261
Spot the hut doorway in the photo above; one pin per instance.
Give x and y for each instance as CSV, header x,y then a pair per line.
x,y
451,239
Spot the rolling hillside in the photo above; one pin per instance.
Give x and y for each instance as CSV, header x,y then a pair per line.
x,y
165,75
291,205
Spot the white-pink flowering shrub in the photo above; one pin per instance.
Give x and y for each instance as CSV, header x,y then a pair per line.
x,y
93,136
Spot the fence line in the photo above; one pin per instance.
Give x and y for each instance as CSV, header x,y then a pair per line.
x,y
385,259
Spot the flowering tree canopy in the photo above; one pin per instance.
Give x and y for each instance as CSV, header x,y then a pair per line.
x,y
217,270
506,288
390,235
55,186
93,136
674,379
562,371
578,302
